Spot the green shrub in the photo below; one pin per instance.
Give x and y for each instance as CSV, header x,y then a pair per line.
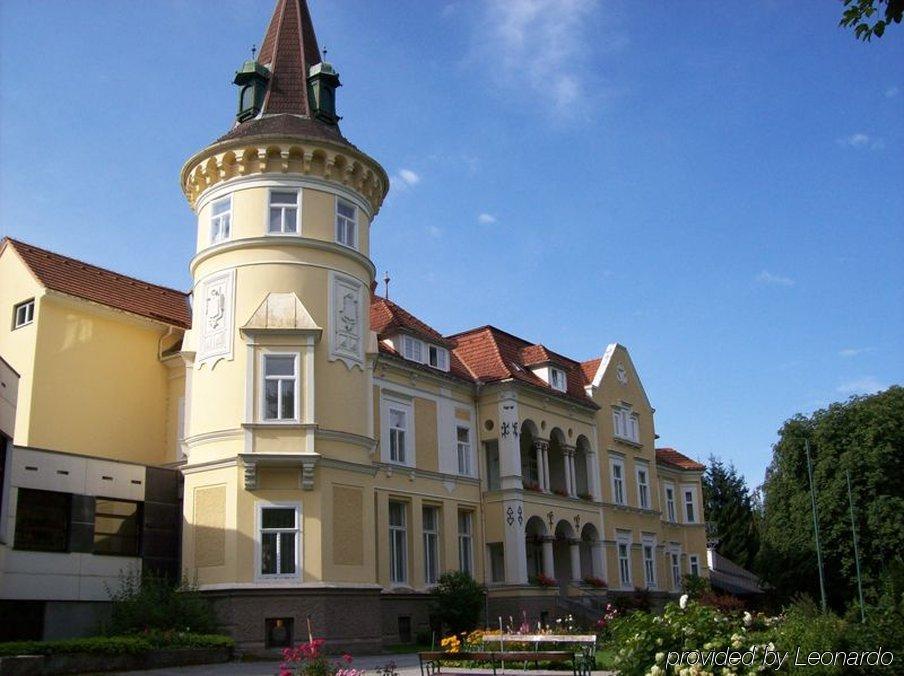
x,y
151,602
116,645
804,626
457,602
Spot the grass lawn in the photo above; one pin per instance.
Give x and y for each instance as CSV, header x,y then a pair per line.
x,y
605,660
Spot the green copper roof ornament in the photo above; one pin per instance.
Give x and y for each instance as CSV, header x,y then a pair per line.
x,y
252,80
323,80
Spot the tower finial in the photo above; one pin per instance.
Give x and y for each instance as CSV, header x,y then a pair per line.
x,y
386,279
253,52
324,52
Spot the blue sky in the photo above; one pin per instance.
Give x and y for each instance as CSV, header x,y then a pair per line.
x,y
715,185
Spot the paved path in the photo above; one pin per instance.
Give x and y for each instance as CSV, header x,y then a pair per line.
x,y
406,665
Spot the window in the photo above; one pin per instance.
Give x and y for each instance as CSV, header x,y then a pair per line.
x,y
398,543
42,521
670,503
618,482
676,570
494,479
24,313
279,541
690,515
398,427
624,424
649,564
438,357
280,386
431,544
346,223
283,215
465,542
557,379
412,348
464,450
624,563
279,631
117,527
694,565
643,488
497,561
220,220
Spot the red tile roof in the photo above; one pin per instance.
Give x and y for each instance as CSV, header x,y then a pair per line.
x,y
670,456
83,280
491,354
590,367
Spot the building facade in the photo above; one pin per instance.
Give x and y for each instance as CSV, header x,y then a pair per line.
x,y
299,446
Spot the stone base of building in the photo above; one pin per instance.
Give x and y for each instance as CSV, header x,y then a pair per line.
x,y
22,620
516,604
265,620
406,618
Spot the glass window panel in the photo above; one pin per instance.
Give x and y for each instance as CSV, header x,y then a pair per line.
x,y
221,206
268,553
272,402
287,553
275,219
346,209
288,398
396,514
283,198
280,366
291,224
42,520
430,518
278,517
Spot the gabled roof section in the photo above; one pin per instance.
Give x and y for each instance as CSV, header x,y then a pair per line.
x,y
388,318
492,355
669,456
281,312
99,285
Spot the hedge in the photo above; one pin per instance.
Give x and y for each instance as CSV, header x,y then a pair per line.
x,y
116,645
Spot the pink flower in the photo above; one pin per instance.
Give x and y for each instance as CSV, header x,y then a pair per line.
x,y
347,658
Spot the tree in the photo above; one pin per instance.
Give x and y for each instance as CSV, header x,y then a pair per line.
x,y
729,511
457,601
857,14
864,435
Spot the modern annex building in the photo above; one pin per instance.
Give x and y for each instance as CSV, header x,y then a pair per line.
x,y
296,444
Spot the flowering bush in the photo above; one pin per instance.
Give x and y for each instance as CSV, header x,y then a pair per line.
x,y
544,581
531,486
560,491
597,582
307,659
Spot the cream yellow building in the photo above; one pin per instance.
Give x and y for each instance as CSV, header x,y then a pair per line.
x,y
333,454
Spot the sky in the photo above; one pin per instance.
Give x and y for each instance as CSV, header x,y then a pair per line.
x,y
717,186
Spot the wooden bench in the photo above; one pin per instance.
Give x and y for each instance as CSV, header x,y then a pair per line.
x,y
582,660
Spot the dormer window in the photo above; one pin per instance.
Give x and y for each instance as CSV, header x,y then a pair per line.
x,y
412,349
557,379
438,357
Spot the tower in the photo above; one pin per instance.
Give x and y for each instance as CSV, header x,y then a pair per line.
x,y
279,394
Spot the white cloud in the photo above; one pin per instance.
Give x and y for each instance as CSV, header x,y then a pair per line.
x,y
861,140
434,231
864,385
408,177
543,45
853,351
486,219
770,279
892,92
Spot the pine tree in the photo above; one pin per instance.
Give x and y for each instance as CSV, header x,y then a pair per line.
x,y
730,512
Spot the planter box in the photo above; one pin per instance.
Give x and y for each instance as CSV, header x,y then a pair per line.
x,y
76,663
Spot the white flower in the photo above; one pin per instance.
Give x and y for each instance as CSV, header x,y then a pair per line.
x,y
682,602
660,657
748,619
656,670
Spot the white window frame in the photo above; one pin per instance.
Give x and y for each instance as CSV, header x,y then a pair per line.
x,y
625,424
689,488
259,541
400,404
558,379
441,363
344,222
216,221
670,511
412,348
643,488
396,531
675,568
619,495
648,546
466,542
464,450
282,206
431,545
27,311
694,565
263,387
623,544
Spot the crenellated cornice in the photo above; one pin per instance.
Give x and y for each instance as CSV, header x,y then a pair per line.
x,y
278,155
